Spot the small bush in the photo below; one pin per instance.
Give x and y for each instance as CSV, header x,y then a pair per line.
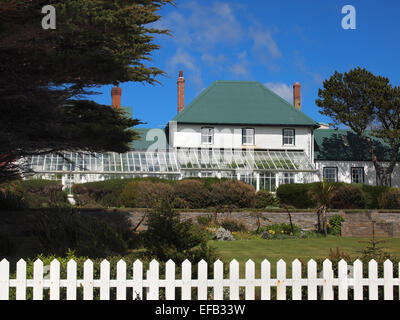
x,y
389,199
193,192
167,237
296,195
233,225
233,192
265,199
372,195
204,220
347,197
335,225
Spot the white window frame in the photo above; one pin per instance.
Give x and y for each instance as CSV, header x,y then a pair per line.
x,y
207,135
246,136
291,137
325,169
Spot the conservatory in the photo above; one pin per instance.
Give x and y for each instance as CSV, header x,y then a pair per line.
x,y
262,169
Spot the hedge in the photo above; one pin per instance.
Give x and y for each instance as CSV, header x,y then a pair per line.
x,y
35,193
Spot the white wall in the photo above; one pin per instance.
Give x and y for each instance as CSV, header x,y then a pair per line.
x,y
344,171
230,137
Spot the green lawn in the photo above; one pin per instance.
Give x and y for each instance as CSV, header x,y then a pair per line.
x,y
288,250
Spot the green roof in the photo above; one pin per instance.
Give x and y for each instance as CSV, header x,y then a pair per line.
x,y
346,145
143,144
244,103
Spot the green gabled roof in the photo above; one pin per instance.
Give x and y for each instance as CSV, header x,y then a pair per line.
x,y
244,103
142,144
346,145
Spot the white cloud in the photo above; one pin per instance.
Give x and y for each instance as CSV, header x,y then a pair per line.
x,y
281,89
241,68
183,59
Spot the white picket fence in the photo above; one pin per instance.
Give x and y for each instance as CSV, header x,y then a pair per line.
x,y
323,282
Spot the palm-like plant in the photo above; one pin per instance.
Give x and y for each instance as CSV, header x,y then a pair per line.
x,y
321,193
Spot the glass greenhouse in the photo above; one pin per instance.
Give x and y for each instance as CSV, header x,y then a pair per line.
x,y
263,169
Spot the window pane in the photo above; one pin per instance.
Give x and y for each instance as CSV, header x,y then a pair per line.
x,y
330,174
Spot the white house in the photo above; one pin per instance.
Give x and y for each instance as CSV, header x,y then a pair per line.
x,y
235,129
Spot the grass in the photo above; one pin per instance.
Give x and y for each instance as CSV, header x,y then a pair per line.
x,y
290,249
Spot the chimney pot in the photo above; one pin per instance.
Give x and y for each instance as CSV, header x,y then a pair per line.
x,y
181,91
116,97
297,96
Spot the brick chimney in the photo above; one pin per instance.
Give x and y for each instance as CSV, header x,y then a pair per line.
x,y
296,96
116,97
181,91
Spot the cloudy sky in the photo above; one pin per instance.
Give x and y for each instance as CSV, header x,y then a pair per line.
x,y
276,43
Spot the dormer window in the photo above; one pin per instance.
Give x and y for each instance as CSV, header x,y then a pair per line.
x,y
248,136
207,135
288,136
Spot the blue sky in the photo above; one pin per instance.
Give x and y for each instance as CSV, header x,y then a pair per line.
x,y
276,43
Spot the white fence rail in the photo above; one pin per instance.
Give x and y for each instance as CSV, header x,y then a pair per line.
x,y
322,285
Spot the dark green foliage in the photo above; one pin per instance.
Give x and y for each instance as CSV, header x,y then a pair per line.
x,y
35,193
296,195
372,195
335,225
45,73
347,197
11,201
167,237
390,199
204,220
58,232
233,225
233,192
264,199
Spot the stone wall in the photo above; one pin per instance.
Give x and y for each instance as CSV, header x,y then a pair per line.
x,y
355,225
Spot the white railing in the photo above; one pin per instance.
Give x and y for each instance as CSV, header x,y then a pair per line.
x,y
46,282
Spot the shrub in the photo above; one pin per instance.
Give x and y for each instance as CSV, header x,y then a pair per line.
x,y
347,197
106,193
204,220
35,193
11,201
296,195
58,232
233,225
193,192
233,192
265,199
372,195
390,199
167,237
208,182
335,225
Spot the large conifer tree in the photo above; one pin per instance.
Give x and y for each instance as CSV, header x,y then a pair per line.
x,y
45,72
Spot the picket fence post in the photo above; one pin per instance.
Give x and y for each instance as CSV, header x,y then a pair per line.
x,y
38,280
4,280
170,280
218,278
71,280
202,293
234,280
265,280
104,280
21,280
